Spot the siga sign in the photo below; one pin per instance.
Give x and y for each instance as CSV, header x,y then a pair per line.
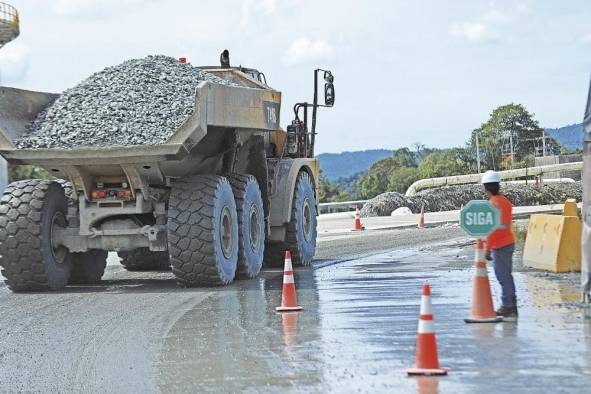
x,y
479,218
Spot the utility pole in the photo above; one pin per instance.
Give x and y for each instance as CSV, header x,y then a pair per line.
x,y
512,150
477,153
543,142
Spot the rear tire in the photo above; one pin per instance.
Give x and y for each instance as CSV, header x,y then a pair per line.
x,y
88,267
251,225
143,259
202,231
29,211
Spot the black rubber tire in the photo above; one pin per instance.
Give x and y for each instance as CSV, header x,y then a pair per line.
x,y
88,267
196,207
143,259
249,202
301,238
302,249
27,210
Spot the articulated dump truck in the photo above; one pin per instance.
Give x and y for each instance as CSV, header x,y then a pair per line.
x,y
228,190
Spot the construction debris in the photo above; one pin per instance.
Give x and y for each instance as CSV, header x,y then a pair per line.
x,y
454,197
140,101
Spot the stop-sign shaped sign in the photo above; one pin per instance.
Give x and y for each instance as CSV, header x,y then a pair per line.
x,y
479,218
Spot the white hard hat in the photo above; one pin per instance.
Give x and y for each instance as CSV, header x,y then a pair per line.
x,y
490,177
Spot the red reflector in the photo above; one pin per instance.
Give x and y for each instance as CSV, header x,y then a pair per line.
x,y
182,60
123,194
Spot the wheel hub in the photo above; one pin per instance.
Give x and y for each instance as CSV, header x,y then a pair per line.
x,y
307,220
59,251
226,232
255,229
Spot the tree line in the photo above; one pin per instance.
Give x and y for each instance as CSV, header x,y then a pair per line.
x,y
510,138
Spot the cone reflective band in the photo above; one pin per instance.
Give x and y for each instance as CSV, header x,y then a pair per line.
x,y
483,310
427,359
289,299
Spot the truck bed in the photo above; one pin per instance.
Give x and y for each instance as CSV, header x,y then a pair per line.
x,y
216,105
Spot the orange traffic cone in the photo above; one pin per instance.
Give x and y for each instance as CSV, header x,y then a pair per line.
x,y
422,217
482,304
357,225
289,298
427,360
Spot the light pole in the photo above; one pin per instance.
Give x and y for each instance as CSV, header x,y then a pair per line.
x,y
477,153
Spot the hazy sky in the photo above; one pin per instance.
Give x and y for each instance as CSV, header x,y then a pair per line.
x,y
405,71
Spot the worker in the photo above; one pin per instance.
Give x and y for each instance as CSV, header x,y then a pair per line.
x,y
500,244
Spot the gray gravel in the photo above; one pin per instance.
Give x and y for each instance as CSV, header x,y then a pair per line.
x,y
140,101
453,197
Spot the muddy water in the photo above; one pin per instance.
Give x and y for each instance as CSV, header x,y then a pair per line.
x,y
357,334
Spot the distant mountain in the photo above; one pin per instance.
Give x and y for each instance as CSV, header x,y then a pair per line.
x,y
570,136
347,164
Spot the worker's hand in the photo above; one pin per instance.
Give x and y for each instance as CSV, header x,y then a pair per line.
x,y
488,255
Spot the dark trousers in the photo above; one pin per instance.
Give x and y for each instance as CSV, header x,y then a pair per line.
x,y
503,264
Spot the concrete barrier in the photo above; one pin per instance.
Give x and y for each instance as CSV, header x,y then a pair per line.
x,y
553,243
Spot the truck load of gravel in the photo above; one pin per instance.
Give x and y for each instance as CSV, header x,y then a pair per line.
x,y
454,197
140,101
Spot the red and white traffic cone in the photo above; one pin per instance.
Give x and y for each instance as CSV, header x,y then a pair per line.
x,y
357,225
289,298
427,360
482,303
422,217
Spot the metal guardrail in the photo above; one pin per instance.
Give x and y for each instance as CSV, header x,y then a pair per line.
x,y
332,207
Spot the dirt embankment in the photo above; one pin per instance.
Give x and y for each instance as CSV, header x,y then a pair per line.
x,y
454,197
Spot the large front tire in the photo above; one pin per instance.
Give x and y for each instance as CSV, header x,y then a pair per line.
x,y
251,225
301,230
202,231
31,259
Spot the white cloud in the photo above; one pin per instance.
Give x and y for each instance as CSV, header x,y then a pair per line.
x,y
586,38
304,50
476,32
92,8
14,63
254,7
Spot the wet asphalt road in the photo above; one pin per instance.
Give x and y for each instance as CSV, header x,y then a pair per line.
x,y
138,332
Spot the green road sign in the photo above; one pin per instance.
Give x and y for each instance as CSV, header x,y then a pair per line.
x,y
479,218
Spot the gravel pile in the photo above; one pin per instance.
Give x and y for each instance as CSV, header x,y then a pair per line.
x,y
453,197
140,101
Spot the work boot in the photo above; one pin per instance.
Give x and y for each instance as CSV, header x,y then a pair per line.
x,y
507,312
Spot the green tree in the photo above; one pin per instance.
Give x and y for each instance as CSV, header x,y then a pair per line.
x,y
401,178
403,157
326,189
506,121
376,180
444,163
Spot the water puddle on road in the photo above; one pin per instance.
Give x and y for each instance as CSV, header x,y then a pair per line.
x,y
357,334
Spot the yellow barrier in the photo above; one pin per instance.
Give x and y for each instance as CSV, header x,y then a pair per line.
x,y
553,243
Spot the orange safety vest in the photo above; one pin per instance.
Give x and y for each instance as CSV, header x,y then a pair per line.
x,y
502,236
